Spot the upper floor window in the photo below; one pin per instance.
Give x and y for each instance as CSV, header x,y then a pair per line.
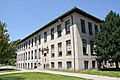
x,y
67,26
45,36
39,39
68,47
91,48
84,47
29,42
59,30
90,28
29,55
60,49
26,55
35,41
32,54
52,33
52,51
35,54
32,42
39,54
83,26
26,44
96,28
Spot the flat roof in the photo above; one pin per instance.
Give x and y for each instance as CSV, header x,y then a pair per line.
x,y
75,9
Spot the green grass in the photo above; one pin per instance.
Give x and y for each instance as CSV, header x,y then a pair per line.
x,y
8,70
96,72
104,73
36,76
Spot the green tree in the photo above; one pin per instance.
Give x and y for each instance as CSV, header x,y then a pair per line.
x,y
4,38
108,40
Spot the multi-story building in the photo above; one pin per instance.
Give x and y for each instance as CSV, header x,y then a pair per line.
x,y
65,43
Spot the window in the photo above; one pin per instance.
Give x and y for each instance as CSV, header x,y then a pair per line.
x,y
90,28
52,33
60,49
59,30
52,65
91,48
68,47
31,65
45,36
32,54
69,64
39,39
83,26
67,27
93,64
86,64
96,28
29,43
26,44
52,51
59,65
29,55
39,54
35,41
26,55
35,54
32,42
84,47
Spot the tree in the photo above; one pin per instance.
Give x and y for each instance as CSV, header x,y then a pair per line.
x,y
4,38
108,40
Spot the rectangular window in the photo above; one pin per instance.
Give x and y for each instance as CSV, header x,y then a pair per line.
x,y
86,64
35,41
84,47
69,64
26,44
59,65
59,30
52,51
52,65
90,28
52,33
83,26
29,43
32,42
96,28
93,64
39,39
26,55
60,49
67,27
31,54
45,36
91,48
68,47
39,54
35,54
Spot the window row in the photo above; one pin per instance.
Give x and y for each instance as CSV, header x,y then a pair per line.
x,y
59,33
29,55
90,27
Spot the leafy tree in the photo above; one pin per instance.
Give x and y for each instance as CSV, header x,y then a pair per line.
x,y
4,38
108,40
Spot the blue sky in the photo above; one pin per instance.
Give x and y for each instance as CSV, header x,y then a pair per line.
x,y
26,16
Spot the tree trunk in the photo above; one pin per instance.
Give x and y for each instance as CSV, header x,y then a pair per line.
x,y
117,65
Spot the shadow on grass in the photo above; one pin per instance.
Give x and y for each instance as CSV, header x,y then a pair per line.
x,y
12,78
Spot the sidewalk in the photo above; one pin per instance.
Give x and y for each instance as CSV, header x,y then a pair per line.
x,y
86,76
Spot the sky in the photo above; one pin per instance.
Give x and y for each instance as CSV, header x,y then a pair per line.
x,y
26,16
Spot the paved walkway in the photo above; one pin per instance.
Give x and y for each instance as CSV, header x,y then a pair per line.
x,y
86,76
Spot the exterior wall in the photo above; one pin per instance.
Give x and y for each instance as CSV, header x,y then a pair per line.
x,y
77,58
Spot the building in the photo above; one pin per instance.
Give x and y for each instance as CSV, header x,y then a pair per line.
x,y
64,43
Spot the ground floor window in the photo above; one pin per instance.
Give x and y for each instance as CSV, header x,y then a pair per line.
x,y
59,65
93,64
52,65
86,64
69,64
31,65
28,65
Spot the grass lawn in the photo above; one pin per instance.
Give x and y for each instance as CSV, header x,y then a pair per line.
x,y
36,76
97,72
